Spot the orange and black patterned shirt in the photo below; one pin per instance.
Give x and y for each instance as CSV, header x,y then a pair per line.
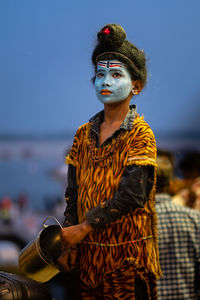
x,y
134,187
115,191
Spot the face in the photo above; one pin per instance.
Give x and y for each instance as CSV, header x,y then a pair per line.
x,y
113,82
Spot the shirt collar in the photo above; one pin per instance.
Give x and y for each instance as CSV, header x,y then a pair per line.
x,y
126,125
162,197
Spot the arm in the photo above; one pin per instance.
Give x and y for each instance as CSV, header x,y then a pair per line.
x,y
133,191
70,213
72,233
197,263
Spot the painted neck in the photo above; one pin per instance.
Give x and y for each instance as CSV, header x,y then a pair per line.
x,y
116,112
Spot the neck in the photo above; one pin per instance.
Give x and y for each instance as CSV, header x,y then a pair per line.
x,y
116,112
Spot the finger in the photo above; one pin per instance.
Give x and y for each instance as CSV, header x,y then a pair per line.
x,y
63,261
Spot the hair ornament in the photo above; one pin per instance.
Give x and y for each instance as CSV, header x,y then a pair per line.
x,y
106,30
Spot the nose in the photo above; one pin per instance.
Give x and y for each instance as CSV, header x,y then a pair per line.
x,y
106,82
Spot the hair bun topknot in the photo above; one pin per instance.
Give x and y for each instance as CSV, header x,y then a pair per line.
x,y
112,44
112,35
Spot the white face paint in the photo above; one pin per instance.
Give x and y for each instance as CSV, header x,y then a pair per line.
x,y
113,81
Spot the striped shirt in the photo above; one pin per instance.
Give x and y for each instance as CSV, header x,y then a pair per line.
x,y
179,247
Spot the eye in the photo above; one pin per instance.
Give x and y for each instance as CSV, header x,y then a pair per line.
x,y
116,75
99,75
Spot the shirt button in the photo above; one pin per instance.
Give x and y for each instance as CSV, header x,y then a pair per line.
x,y
103,204
97,220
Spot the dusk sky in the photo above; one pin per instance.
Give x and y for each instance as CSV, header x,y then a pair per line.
x,y
46,70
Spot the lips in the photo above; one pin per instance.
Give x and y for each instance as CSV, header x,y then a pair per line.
x,y
105,92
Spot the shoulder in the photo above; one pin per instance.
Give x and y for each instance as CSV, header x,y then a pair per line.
x,y
173,207
193,215
82,130
141,128
143,145
81,133
178,212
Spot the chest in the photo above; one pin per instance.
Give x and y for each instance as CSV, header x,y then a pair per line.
x,y
107,131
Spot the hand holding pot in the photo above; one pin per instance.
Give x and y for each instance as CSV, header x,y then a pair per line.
x,y
70,236
74,234
67,259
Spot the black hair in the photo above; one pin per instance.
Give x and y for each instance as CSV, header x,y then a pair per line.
x,y
190,164
166,153
112,44
164,174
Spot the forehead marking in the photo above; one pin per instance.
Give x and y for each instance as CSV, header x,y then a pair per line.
x,y
109,64
115,64
102,64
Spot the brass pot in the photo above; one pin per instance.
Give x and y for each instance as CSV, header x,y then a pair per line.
x,y
38,258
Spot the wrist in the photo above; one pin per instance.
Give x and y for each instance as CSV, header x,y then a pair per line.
x,y
86,226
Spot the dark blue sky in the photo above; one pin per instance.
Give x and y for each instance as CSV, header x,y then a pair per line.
x,y
45,65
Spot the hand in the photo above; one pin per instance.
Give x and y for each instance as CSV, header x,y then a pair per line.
x,y
74,234
67,259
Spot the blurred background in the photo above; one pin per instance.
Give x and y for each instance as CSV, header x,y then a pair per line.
x,y
46,93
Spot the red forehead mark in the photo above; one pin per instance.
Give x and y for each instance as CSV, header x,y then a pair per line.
x,y
109,64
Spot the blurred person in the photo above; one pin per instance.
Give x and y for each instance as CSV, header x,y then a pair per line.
x,y
178,189
182,193
111,183
190,165
22,201
179,242
165,153
183,189
194,201
5,209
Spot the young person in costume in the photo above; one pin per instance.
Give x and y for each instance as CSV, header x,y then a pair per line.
x,y
111,182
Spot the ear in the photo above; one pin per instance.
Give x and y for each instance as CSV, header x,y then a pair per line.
x,y
137,86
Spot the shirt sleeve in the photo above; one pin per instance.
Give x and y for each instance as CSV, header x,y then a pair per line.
x,y
197,265
70,213
133,191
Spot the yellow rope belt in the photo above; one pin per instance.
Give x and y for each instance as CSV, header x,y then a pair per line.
x,y
117,244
